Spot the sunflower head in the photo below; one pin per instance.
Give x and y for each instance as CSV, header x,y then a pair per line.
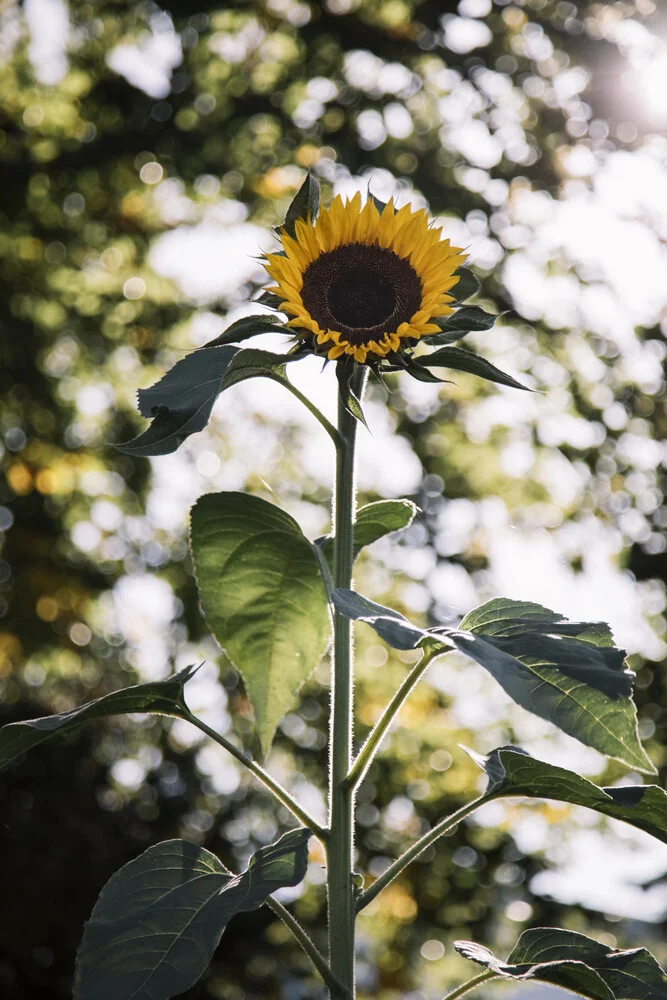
x,y
364,281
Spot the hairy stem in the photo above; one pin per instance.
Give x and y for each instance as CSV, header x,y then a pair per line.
x,y
299,933
370,747
273,786
413,852
340,848
472,984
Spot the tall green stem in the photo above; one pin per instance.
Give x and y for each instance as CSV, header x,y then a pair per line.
x,y
340,847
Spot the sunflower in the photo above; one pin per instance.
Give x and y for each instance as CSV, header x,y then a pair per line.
x,y
362,280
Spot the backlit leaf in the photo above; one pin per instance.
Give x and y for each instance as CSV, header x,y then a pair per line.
x,y
263,596
158,920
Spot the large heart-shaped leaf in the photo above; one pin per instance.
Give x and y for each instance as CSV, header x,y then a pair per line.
x,y
263,596
577,963
569,673
181,402
159,919
159,697
511,771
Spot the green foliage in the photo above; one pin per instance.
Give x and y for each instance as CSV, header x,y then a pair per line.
x,y
374,521
577,963
465,361
158,920
464,320
569,673
181,402
513,772
159,697
262,592
247,327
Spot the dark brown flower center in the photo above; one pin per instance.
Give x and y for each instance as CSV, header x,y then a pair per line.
x,y
361,291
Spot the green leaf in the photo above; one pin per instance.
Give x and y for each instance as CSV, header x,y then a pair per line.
x,y
181,402
569,673
159,697
467,286
414,367
576,963
391,626
263,596
512,771
466,319
249,326
465,361
268,298
158,920
252,363
306,203
374,521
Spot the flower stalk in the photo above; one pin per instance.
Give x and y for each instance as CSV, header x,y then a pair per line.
x,y
340,846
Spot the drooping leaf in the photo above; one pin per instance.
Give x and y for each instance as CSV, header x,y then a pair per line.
x,y
181,402
391,626
347,374
263,596
268,298
512,771
374,521
159,697
413,366
459,360
158,920
577,963
249,326
306,202
467,285
569,673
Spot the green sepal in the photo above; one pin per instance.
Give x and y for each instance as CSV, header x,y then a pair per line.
x,y
575,963
467,319
512,771
262,593
458,359
305,204
467,285
249,326
158,920
158,697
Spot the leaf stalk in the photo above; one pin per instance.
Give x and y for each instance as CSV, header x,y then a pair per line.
x,y
273,786
472,984
371,746
413,852
299,933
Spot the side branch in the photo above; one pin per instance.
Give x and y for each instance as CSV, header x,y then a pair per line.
x,y
413,852
273,786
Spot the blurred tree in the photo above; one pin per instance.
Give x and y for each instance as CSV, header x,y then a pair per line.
x,y
141,144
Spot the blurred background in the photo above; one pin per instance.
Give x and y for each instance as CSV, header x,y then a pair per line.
x,y
147,150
